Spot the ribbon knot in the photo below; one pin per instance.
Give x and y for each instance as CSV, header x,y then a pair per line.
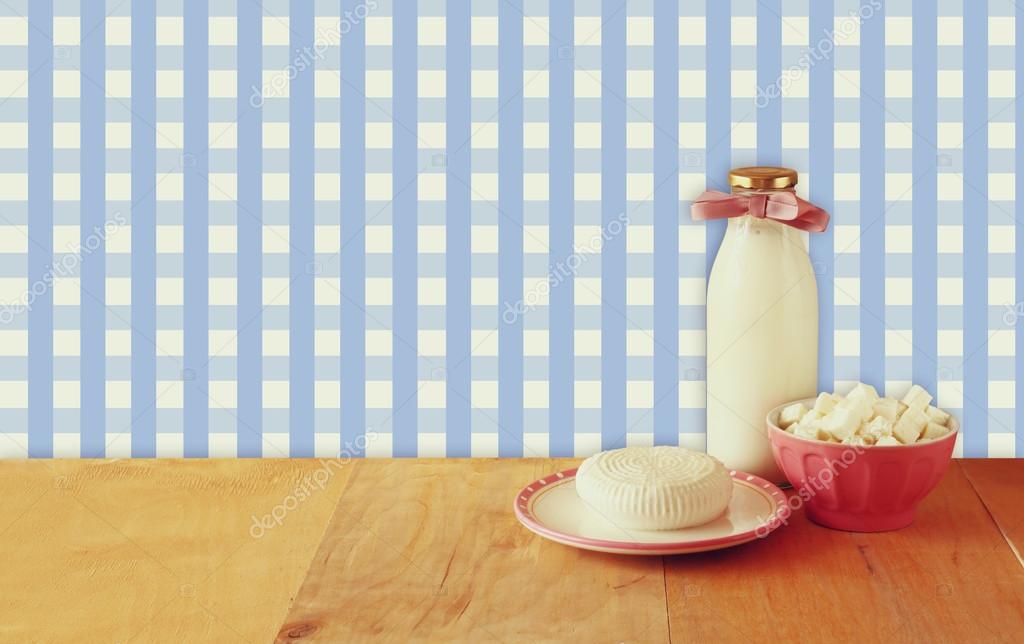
x,y
757,206
784,207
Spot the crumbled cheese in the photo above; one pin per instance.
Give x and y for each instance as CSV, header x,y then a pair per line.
x,y
857,439
878,428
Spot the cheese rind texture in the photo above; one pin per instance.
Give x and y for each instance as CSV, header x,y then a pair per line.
x,y
654,488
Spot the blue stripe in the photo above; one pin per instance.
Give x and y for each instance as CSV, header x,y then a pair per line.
x,y
1018,107
872,200
353,237
457,229
769,71
250,230
666,225
143,316
925,205
822,163
613,207
717,114
976,216
40,231
93,365
196,244
510,226
300,227
561,231
404,173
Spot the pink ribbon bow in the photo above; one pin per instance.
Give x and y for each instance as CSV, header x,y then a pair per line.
x,y
784,207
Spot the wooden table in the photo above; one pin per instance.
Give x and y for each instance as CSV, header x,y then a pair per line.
x,y
428,550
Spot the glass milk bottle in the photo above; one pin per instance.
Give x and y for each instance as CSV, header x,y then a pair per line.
x,y
762,313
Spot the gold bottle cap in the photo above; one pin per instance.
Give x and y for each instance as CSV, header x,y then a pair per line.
x,y
762,177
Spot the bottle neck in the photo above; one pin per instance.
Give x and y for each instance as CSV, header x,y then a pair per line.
x,y
747,223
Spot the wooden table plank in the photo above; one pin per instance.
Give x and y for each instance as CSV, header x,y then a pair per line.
x,y
156,550
1000,484
430,550
948,577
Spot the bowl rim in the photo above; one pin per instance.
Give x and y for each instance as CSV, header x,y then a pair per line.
x,y
773,427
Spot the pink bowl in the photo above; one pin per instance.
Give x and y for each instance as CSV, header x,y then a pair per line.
x,y
862,489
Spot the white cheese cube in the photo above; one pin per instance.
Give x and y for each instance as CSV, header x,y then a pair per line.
x,y
859,405
887,408
791,414
840,423
909,426
878,428
810,419
825,403
900,408
811,431
812,416
917,398
933,431
936,415
863,392
887,440
857,439
803,431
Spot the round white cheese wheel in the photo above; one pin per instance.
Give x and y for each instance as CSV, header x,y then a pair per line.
x,y
654,488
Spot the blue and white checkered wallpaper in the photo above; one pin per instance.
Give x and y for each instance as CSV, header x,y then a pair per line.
x,y
391,227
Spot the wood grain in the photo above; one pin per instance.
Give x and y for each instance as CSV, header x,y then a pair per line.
x,y
154,551
429,550
999,483
947,577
